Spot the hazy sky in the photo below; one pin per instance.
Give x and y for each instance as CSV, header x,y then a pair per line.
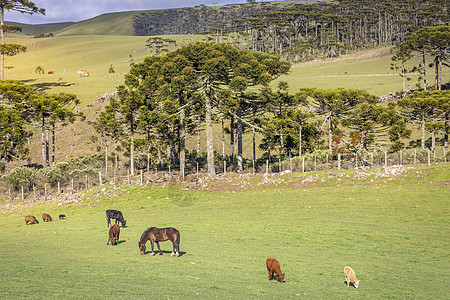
x,y
78,10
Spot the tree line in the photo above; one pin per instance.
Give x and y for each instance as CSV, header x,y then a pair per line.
x,y
167,97
300,31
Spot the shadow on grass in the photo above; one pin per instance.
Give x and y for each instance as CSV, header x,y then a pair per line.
x,y
164,251
120,242
44,86
351,284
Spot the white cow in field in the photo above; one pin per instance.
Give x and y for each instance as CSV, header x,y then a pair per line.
x,y
83,73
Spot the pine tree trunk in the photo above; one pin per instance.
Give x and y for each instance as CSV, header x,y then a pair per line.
x,y
300,141
53,143
446,124
424,70
232,138
239,136
198,136
43,142
330,134
106,160
209,137
132,154
182,141
2,41
422,142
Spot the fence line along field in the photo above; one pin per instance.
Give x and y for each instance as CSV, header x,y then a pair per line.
x,y
392,231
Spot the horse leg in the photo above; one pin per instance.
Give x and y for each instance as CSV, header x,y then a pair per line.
x,y
173,249
159,248
109,222
153,253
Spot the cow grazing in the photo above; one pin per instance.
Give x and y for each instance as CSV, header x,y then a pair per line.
x,y
273,266
51,72
114,232
83,73
350,276
46,218
62,217
31,219
117,215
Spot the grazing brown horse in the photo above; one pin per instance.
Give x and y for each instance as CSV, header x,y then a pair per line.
x,y
156,235
46,218
114,233
31,219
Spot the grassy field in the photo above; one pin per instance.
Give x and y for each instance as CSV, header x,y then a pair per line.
x,y
392,231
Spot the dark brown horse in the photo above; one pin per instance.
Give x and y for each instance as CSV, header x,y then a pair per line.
x,y
156,235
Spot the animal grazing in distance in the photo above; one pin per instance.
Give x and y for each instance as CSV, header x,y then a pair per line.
x,y
114,232
156,235
273,267
115,214
83,73
350,276
51,72
46,218
31,219
61,216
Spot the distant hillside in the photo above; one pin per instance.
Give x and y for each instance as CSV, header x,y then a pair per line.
x,y
119,23
35,30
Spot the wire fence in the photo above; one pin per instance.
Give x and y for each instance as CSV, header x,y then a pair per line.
x,y
318,161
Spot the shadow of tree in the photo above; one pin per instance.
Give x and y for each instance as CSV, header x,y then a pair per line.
x,y
45,86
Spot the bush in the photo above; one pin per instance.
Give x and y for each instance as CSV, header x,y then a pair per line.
x,y
21,176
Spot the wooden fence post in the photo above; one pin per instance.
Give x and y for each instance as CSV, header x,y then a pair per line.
x,y
279,165
9,194
59,189
339,161
315,162
45,191
290,162
22,193
429,157
142,177
225,168
87,186
197,169
385,158
267,166
327,162
100,177
34,192
445,156
72,186
129,182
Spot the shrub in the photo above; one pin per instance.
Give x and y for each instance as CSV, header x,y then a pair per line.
x,y
21,176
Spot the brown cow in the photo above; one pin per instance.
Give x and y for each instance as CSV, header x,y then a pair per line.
x,y
51,72
114,232
273,266
46,218
31,219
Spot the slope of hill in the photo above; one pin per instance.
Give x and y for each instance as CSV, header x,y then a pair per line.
x,y
34,30
119,23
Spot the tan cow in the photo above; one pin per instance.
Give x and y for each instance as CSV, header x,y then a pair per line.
x,y
83,73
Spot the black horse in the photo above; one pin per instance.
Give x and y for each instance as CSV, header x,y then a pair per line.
x,y
156,235
115,214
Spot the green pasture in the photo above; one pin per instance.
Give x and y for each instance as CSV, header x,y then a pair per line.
x,y
368,70
65,55
392,232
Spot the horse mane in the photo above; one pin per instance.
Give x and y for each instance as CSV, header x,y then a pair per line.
x,y
144,233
